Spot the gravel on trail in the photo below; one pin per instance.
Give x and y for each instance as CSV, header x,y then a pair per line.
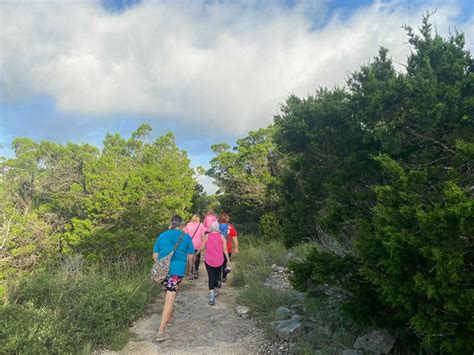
x,y
198,328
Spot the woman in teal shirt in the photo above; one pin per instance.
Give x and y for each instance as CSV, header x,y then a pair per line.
x,y
183,256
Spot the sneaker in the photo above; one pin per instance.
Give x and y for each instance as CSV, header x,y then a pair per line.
x,y
196,276
212,301
224,279
216,293
191,278
219,284
161,338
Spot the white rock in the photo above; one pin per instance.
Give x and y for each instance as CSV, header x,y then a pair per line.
x,y
242,311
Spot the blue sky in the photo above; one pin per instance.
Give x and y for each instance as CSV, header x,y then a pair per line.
x,y
209,71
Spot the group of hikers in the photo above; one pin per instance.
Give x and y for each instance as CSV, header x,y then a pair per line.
x,y
215,238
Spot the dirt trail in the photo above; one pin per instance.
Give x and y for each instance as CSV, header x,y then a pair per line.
x,y
198,328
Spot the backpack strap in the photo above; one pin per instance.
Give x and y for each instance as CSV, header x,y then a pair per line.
x,y
199,225
179,241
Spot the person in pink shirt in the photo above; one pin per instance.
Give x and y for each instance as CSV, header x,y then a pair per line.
x,y
208,220
215,247
196,230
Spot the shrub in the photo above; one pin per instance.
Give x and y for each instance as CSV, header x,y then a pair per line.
x,y
270,227
417,252
72,309
26,329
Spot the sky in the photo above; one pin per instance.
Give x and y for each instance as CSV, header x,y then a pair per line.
x,y
209,71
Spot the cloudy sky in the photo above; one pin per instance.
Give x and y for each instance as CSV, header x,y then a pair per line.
x,y
210,71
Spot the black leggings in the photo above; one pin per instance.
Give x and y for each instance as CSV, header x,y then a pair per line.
x,y
213,274
224,274
197,261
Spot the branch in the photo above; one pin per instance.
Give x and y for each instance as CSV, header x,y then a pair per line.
x,y
6,232
432,140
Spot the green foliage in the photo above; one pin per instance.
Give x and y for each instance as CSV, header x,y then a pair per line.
x,y
62,311
417,251
245,175
328,160
26,329
66,199
380,176
270,226
252,266
253,263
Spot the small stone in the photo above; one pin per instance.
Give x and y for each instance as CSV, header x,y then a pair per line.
x,y
352,352
378,342
242,311
283,313
280,269
297,318
287,329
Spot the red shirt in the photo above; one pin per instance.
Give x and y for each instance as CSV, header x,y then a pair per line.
x,y
232,234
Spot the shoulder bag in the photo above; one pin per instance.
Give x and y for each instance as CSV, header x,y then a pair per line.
x,y
161,267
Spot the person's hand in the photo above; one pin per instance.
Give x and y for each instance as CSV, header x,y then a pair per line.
x,y
236,251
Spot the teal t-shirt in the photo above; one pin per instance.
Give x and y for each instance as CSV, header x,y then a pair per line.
x,y
164,245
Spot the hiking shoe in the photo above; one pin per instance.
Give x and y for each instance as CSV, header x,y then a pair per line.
x,y
161,338
224,279
212,301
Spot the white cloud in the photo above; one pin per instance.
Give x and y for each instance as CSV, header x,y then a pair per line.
x,y
226,66
207,183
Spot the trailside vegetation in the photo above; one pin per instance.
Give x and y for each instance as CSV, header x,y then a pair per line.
x,y
380,175
60,203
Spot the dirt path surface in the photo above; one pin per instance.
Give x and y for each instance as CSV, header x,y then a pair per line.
x,y
198,328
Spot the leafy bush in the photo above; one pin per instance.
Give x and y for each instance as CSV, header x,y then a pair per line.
x,y
26,329
71,309
270,227
418,253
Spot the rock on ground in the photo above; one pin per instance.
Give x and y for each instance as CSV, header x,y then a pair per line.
x,y
378,342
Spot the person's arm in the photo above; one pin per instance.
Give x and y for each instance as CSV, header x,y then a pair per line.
x,y
203,246
156,250
189,264
236,245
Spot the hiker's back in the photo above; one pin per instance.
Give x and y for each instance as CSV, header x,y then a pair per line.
x,y
214,249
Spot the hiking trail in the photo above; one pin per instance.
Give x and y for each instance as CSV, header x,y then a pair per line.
x,y
198,328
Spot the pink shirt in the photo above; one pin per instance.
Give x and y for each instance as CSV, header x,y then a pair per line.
x,y
196,232
208,221
214,250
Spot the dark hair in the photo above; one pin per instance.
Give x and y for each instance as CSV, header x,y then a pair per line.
x,y
176,221
225,218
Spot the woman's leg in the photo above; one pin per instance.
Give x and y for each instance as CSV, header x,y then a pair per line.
x,y
211,274
170,286
197,261
167,310
224,274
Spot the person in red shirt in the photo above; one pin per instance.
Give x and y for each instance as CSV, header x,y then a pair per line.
x,y
232,241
